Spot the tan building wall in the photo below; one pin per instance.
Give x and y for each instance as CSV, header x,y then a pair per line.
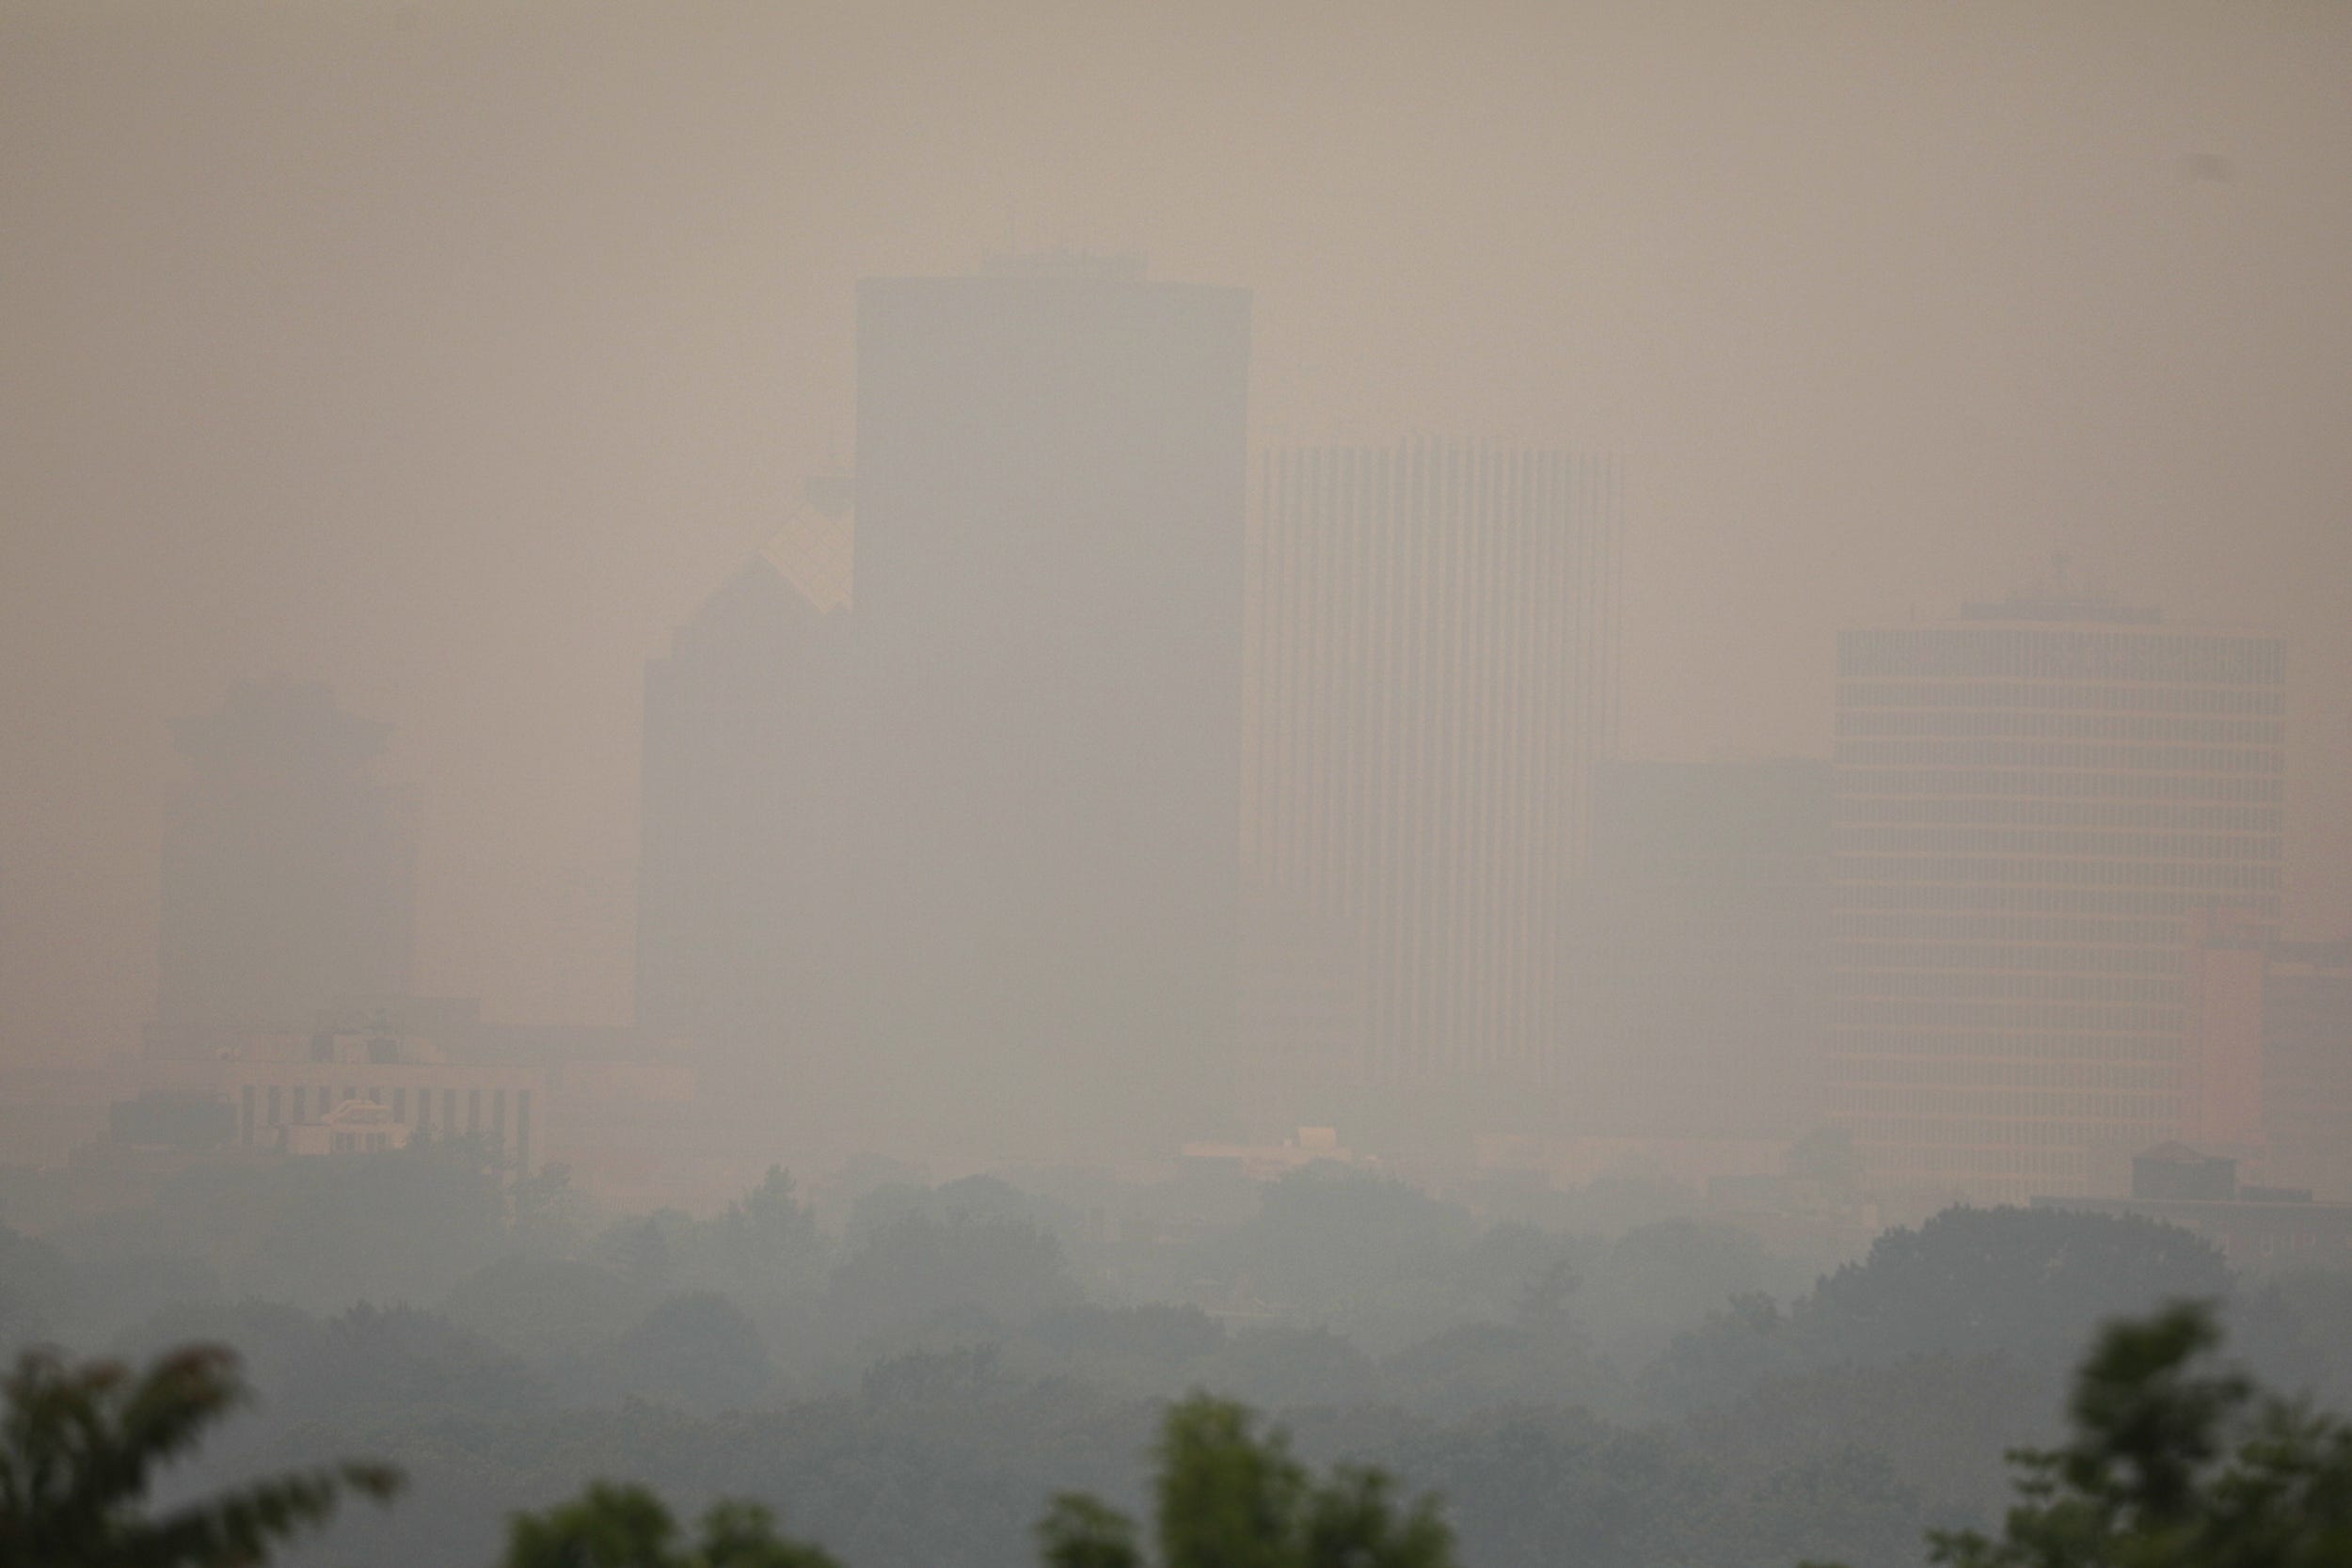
x,y
2032,806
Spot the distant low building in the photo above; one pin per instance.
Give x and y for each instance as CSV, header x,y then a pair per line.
x,y
2256,1226
298,1093
355,1127
1262,1162
2174,1171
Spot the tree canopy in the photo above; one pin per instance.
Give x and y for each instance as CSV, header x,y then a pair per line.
x,y
80,1449
2172,1460
627,1526
1229,1495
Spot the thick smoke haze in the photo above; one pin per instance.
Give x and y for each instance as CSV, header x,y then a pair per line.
x,y
1452,783
452,355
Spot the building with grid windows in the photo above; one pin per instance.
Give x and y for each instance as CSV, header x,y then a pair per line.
x,y
2040,811
1430,682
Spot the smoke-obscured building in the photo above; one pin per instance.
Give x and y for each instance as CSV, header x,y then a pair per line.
x,y
969,850
2035,806
1704,973
288,869
966,852
744,785
1432,669
2307,1065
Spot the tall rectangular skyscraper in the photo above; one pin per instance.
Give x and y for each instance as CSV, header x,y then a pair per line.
x,y
2038,807
1432,657
1051,467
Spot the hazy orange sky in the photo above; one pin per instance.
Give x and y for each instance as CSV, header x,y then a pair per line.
x,y
451,353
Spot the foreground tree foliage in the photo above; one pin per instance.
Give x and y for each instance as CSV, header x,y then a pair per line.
x,y
627,1526
80,1449
2174,1463
1228,1496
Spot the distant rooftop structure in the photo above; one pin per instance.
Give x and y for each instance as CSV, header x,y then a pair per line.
x,y
2061,597
2173,1170
1063,262
2019,608
816,549
284,721
1264,1162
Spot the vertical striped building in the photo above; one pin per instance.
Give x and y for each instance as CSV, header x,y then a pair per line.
x,y
1430,678
2037,809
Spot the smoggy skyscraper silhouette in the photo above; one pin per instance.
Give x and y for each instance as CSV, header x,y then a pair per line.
x,y
741,865
288,869
973,842
1432,679
1052,467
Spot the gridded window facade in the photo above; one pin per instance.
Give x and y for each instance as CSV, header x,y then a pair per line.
x,y
2031,805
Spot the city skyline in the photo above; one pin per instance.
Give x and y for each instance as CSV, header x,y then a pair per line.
x,y
870,783
463,416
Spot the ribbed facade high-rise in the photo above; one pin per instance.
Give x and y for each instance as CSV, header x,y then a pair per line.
x,y
1432,677
2035,807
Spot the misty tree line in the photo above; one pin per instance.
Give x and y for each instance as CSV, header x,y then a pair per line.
x,y
908,1383
2172,1460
